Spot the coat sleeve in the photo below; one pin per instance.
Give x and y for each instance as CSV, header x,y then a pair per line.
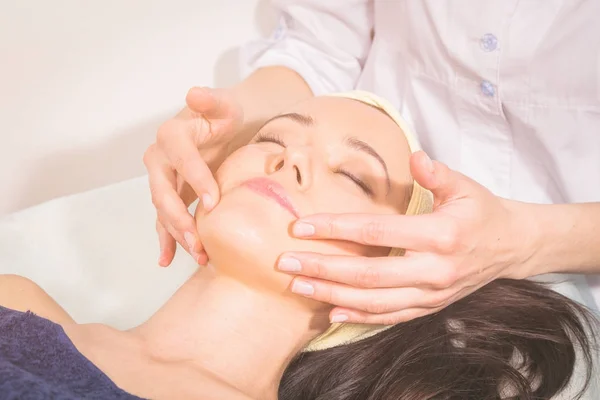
x,y
325,41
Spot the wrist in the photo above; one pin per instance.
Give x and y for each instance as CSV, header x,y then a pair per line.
x,y
527,231
562,239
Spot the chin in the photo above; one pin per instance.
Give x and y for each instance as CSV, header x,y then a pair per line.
x,y
244,238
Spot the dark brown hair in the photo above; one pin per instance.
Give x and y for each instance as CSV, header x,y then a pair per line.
x,y
508,340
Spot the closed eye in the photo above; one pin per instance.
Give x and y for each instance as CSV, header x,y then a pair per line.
x,y
269,138
360,183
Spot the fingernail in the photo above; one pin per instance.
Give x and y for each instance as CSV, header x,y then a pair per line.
x,y
339,318
302,229
289,264
304,288
428,163
207,202
190,240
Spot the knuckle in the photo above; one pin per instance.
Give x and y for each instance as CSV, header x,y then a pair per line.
x,y
164,132
373,232
177,162
368,277
447,239
328,294
149,155
201,127
377,306
445,277
331,226
438,302
319,268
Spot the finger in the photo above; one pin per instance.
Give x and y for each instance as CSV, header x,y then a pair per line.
x,y
198,254
373,301
187,194
419,270
341,314
414,232
202,258
361,317
167,245
183,156
171,210
445,183
422,169
213,104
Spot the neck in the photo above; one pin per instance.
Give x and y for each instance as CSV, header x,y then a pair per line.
x,y
241,335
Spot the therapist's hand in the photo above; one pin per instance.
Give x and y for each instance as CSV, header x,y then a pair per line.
x,y
471,238
179,166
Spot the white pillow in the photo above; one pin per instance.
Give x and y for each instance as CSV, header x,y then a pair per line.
x,y
95,253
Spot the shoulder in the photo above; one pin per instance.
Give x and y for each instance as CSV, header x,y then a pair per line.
x,y
22,294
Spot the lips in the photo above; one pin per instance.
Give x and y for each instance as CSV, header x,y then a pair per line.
x,y
272,190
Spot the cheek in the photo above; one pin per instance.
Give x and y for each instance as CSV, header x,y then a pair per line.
x,y
247,162
245,235
242,240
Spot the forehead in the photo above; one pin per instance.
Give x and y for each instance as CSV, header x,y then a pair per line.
x,y
338,118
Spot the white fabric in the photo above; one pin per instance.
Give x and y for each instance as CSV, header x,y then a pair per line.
x,y
95,253
507,92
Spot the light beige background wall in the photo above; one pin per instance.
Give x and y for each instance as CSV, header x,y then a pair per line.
x,y
84,84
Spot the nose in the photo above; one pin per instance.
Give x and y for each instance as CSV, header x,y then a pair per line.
x,y
295,162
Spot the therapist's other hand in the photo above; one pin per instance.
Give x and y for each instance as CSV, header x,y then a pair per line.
x,y
179,166
471,238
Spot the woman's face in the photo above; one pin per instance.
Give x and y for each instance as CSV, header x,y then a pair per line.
x,y
325,155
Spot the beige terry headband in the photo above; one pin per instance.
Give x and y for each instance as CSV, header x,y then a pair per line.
x,y
421,202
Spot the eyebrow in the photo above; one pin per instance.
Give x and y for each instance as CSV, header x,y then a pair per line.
x,y
305,120
352,142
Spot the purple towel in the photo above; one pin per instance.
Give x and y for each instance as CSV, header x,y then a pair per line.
x,y
39,361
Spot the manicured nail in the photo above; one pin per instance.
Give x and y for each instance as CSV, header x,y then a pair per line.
x,y
190,240
302,229
289,264
339,318
207,202
304,288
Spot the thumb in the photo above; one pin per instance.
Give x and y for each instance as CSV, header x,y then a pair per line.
x,y
212,103
445,183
